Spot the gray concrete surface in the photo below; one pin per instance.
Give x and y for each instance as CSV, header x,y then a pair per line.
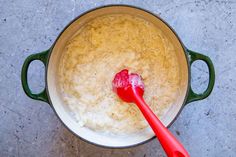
x,y
30,128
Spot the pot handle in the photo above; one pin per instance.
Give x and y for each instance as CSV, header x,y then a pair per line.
x,y
42,56
193,96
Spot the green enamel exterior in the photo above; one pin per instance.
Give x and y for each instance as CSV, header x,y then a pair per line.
x,y
194,56
43,56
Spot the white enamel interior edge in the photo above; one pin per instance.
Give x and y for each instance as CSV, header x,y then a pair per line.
x,y
63,112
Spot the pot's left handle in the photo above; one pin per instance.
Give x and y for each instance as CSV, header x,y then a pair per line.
x,y
43,58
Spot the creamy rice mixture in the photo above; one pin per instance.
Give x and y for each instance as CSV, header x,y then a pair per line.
x,y
103,47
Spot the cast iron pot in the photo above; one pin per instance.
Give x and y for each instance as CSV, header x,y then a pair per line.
x,y
51,94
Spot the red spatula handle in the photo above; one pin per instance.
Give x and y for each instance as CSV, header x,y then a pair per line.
x,y
170,144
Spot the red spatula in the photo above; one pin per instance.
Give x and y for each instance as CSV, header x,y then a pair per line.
x,y
130,88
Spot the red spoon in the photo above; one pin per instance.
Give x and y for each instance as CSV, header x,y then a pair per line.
x,y
130,88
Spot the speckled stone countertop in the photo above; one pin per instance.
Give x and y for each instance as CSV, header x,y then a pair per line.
x,y
30,128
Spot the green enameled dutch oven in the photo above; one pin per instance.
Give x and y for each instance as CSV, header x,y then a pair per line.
x,y
51,94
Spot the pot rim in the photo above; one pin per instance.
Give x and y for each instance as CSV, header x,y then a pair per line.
x,y
117,5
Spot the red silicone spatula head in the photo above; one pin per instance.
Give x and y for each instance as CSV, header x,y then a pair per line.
x,y
125,84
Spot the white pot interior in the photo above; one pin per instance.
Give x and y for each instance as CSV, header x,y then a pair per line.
x,y
62,110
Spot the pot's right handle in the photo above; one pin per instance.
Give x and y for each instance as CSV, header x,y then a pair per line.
x,y
43,58
193,96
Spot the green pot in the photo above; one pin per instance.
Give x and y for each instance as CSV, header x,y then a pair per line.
x,y
51,94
